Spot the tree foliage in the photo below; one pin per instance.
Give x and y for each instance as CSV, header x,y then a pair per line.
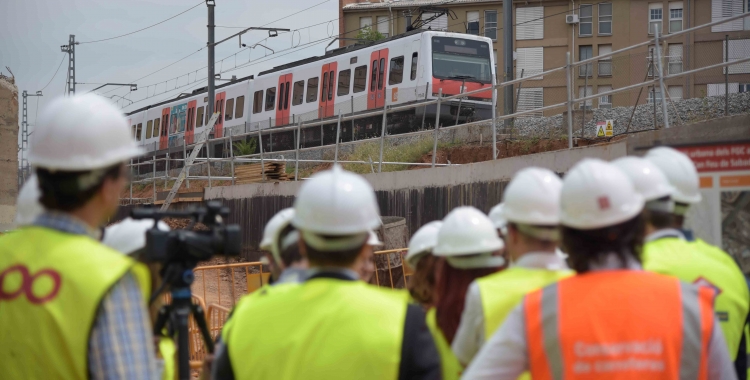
x,y
369,34
243,148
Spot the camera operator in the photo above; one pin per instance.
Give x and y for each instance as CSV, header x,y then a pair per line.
x,y
67,298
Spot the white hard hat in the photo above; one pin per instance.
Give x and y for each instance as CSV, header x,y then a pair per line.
x,y
336,202
129,235
596,194
81,133
498,219
28,206
533,198
467,239
647,178
423,241
272,230
680,171
373,240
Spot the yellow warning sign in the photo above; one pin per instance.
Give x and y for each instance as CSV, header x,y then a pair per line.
x,y
600,126
610,128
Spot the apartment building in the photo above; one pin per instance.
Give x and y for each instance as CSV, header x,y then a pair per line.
x,y
543,35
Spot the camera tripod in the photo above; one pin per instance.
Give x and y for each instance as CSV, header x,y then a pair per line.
x,y
179,276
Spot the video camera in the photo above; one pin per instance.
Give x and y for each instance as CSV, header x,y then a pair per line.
x,y
186,245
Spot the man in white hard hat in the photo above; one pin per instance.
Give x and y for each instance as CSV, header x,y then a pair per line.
x,y
280,240
331,326
90,318
667,249
531,209
368,269
612,320
27,205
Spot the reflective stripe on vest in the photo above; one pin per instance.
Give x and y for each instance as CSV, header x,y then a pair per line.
x,y
589,325
321,329
450,366
51,286
700,263
501,292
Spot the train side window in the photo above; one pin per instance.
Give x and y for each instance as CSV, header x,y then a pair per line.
x,y
312,89
414,61
157,121
374,75
132,131
199,118
381,73
396,72
330,85
258,101
139,132
281,96
324,89
149,128
286,97
229,110
239,108
345,77
270,98
360,79
299,93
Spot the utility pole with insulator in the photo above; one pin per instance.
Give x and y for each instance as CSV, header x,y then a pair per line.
x,y
70,48
210,4
508,58
24,172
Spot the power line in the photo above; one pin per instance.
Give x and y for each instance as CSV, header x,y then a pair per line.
x,y
142,29
54,75
154,72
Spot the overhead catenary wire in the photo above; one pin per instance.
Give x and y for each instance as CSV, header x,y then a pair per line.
x,y
142,29
55,74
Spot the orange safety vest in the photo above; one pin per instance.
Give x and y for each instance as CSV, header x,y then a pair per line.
x,y
619,325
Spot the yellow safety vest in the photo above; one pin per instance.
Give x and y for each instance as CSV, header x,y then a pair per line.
x,y
321,329
51,285
699,263
450,366
501,292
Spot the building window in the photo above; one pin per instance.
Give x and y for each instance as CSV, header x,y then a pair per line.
x,y
605,64
675,17
345,78
727,8
298,93
744,87
229,110
360,79
674,58
257,102
530,23
529,61
654,92
586,20
239,108
414,61
365,22
585,52
605,101
270,98
654,17
584,91
312,90
396,70
530,99
490,24
738,49
383,25
675,93
605,19
472,23
439,23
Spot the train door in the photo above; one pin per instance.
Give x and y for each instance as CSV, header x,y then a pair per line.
x,y
164,132
219,107
328,90
190,127
378,73
282,111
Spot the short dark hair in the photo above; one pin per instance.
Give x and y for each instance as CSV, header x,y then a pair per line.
x,y
659,219
589,246
291,253
61,190
342,258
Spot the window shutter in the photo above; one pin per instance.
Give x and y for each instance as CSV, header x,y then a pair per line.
x,y
383,25
365,21
440,23
675,92
738,49
530,23
726,8
718,89
530,60
530,99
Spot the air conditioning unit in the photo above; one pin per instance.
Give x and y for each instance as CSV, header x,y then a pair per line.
x,y
571,19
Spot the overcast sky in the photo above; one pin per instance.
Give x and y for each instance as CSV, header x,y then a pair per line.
x,y
33,30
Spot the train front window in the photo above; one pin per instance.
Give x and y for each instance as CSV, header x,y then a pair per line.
x,y
461,59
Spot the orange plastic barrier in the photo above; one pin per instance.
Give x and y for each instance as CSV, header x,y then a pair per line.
x,y
214,280
216,316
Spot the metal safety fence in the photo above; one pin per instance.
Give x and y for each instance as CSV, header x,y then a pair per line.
x,y
636,88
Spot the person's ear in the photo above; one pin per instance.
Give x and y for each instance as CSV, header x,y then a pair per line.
x,y
302,247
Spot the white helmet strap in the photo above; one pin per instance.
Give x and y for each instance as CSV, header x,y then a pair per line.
x,y
551,233
485,260
680,209
661,205
334,244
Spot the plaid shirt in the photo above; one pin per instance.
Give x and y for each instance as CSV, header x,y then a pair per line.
x,y
120,345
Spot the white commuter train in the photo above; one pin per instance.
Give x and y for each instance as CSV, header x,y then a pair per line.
x,y
403,69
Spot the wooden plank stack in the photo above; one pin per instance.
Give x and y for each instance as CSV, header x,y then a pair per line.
x,y
251,173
